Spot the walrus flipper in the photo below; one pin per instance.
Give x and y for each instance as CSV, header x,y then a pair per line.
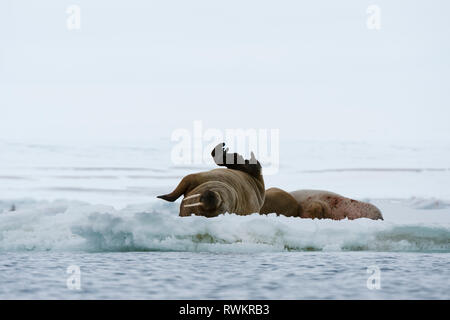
x,y
235,161
182,188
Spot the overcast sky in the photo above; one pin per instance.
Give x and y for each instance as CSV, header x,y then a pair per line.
x,y
145,68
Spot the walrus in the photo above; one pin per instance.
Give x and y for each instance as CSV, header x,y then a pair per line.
x,y
238,188
317,204
281,202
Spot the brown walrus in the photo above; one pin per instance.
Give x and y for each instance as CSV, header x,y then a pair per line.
x,y
237,189
317,204
280,202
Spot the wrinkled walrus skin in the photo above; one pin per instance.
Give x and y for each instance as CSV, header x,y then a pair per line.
x,y
238,188
317,204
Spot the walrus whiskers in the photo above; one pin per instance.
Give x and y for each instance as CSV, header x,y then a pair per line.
x,y
192,196
193,204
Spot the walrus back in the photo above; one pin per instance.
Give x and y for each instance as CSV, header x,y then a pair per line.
x,y
250,190
336,206
280,202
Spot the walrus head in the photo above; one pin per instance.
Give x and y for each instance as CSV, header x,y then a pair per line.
x,y
209,199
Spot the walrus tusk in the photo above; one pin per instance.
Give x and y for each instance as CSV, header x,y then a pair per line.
x,y
193,204
192,196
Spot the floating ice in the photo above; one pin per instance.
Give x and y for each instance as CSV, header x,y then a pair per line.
x,y
70,225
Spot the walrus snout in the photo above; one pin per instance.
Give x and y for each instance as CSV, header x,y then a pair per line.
x,y
206,201
210,200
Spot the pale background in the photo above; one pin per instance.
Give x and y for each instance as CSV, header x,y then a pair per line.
x,y
85,124
140,69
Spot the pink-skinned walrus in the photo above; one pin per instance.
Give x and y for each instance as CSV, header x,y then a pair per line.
x,y
317,204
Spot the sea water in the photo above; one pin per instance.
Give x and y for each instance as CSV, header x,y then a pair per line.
x,y
82,222
195,275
